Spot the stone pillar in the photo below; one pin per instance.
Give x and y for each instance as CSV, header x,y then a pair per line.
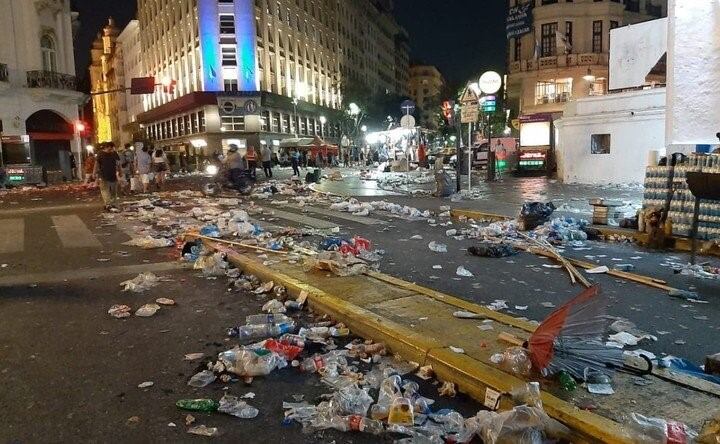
x,y
693,74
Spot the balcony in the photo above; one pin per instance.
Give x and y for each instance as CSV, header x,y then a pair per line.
x,y
51,80
558,62
4,74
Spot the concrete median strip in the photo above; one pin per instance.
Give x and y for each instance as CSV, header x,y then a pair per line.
x,y
415,322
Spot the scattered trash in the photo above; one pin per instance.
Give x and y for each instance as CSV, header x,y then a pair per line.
x,y
457,350
533,214
235,407
119,311
437,247
462,271
141,283
147,310
492,249
203,430
165,301
146,384
447,389
659,430
202,379
194,356
598,270
149,242
468,315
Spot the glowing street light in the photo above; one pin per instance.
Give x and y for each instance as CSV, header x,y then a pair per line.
x,y
363,128
354,109
323,121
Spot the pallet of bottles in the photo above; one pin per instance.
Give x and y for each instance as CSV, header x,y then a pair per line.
x,y
682,204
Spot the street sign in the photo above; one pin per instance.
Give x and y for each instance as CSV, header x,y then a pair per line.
x,y
407,107
469,97
489,104
407,122
490,82
469,113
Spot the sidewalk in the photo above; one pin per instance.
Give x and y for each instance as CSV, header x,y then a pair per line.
x,y
418,323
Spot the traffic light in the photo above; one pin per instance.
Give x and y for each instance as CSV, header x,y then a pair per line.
x,y
448,108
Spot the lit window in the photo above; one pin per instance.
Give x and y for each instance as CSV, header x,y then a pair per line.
x,y
553,91
227,24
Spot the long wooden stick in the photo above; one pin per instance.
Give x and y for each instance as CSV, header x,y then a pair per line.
x,y
552,252
237,244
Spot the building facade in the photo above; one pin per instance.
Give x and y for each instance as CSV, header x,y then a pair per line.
x,y
106,74
128,45
38,89
425,86
254,72
564,54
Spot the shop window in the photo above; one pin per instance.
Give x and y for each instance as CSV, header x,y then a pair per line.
x,y
600,144
553,91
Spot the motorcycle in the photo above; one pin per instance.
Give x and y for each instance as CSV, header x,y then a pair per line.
x,y
243,183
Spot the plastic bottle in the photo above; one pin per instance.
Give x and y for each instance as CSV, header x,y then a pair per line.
x,y
291,339
270,318
566,381
247,332
198,405
401,412
359,423
339,332
313,364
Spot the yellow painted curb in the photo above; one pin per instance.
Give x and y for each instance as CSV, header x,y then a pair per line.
x,y
471,376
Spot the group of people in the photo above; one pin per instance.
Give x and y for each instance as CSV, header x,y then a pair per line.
x,y
238,164
116,172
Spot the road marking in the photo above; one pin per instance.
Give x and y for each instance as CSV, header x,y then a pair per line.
x,y
345,216
89,273
74,233
12,235
48,209
299,218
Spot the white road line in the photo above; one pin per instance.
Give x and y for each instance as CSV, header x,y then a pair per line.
x,y
299,218
345,216
12,235
74,233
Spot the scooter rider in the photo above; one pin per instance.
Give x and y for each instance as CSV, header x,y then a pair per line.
x,y
235,164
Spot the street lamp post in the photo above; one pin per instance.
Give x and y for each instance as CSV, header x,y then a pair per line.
x,y
295,119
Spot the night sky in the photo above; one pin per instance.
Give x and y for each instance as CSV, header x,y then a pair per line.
x,y
462,38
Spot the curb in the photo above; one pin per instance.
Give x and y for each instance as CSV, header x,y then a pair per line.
x,y
471,376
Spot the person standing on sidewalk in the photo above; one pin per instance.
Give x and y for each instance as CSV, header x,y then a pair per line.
x,y
266,154
89,168
107,170
160,167
251,158
143,166
295,161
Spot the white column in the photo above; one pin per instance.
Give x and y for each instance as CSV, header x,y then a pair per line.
x,y
693,74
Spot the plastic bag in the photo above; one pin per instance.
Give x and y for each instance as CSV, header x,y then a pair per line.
x,y
351,400
202,379
149,242
142,282
658,431
533,214
233,406
515,360
287,351
437,247
521,425
247,362
492,249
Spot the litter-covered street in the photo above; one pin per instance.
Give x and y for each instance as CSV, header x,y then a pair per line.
x,y
134,321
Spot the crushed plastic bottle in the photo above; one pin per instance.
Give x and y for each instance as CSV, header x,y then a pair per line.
x,y
287,351
270,318
291,339
202,379
198,405
261,331
233,406
247,362
352,400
